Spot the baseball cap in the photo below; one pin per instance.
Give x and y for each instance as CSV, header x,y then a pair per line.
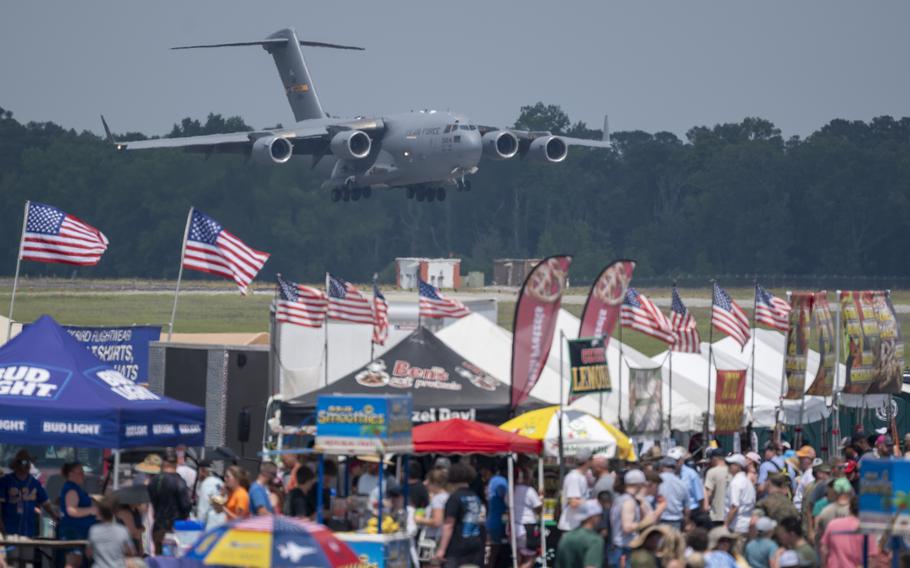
x,y
785,445
204,462
754,457
634,477
668,462
822,468
806,452
676,453
884,439
765,524
591,508
850,466
738,459
842,486
582,455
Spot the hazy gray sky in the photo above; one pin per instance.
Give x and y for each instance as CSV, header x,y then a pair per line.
x,y
652,65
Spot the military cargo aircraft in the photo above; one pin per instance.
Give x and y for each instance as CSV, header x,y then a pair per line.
x,y
423,152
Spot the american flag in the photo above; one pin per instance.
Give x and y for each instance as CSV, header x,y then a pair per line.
x,y
380,317
640,313
684,325
346,303
434,305
54,236
211,248
299,304
771,310
728,317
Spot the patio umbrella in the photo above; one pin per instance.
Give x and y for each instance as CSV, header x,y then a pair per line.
x,y
579,430
271,541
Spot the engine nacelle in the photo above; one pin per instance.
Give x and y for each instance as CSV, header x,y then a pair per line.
x,y
272,150
351,145
499,145
549,149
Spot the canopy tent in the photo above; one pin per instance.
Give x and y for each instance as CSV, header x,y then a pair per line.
x,y
443,384
490,346
458,436
54,391
580,430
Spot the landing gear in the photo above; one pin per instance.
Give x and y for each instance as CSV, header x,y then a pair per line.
x,y
462,185
350,192
367,192
356,193
411,191
346,194
336,195
440,194
421,193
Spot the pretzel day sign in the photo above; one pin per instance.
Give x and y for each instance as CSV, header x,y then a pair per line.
x,y
729,398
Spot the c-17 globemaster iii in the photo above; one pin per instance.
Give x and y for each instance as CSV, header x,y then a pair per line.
x,y
424,152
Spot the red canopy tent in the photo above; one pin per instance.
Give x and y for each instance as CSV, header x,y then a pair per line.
x,y
457,436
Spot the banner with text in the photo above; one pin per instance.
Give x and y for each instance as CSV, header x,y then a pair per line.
x,y
602,308
889,364
823,384
588,367
123,348
645,401
797,354
729,399
536,312
861,339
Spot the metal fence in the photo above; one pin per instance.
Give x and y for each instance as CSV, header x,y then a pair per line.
x,y
790,281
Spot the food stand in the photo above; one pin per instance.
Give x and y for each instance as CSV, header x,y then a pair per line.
x,y
884,504
350,425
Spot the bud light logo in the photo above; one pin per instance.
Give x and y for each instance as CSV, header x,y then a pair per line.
x,y
123,386
23,380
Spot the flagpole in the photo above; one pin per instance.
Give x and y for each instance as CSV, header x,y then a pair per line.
x,y
802,402
835,429
373,343
325,346
619,405
562,458
710,359
12,299
670,409
783,368
754,341
274,344
186,232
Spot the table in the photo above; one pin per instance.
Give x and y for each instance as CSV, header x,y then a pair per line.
x,y
44,546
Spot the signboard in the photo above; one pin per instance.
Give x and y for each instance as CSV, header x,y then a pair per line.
x,y
368,424
884,496
796,357
123,348
588,367
861,340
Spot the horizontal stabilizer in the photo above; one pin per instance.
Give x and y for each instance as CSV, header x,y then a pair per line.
x,y
266,43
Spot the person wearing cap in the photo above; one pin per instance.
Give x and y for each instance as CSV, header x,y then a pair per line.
x,y
20,493
716,480
461,540
208,485
675,494
721,543
583,547
806,455
575,491
761,549
814,491
884,447
851,474
690,477
630,514
777,503
790,537
774,463
740,496
839,508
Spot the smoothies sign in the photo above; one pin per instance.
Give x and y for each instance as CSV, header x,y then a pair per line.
x,y
884,496
368,424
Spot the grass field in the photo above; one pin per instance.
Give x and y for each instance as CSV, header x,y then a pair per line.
x,y
213,307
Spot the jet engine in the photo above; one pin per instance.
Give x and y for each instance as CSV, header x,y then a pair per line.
x,y
549,149
272,150
351,145
499,145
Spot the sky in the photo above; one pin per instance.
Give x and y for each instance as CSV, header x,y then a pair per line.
x,y
657,65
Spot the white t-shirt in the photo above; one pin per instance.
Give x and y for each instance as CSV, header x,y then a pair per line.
x,y
526,500
740,494
437,501
574,486
188,474
804,481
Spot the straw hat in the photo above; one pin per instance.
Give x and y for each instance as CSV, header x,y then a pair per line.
x,y
642,537
151,464
375,459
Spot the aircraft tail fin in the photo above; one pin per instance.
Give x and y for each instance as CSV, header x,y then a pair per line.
x,y
284,47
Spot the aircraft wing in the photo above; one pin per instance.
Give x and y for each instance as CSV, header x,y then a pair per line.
x,y
307,139
525,137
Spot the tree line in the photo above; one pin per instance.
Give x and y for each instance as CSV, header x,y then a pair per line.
x,y
732,198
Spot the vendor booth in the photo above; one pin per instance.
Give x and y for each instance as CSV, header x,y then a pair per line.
x,y
54,391
443,384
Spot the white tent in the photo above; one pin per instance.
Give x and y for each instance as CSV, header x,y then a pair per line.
x,y
490,347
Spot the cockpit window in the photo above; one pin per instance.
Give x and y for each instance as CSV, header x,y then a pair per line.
x,y
473,127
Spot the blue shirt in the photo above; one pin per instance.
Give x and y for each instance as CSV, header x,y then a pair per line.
x,y
720,559
497,490
18,499
259,497
693,482
772,466
760,551
674,491
74,528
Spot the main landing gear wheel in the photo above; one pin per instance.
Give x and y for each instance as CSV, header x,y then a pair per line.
x,y
356,193
410,191
440,194
367,192
431,194
336,195
346,194
421,193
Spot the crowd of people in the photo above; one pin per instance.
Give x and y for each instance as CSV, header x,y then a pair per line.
x,y
784,507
